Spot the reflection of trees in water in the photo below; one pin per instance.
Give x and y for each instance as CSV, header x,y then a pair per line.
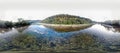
x,y
117,29
20,29
114,29
68,28
4,30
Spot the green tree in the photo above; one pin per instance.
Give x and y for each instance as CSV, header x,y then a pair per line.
x,y
8,24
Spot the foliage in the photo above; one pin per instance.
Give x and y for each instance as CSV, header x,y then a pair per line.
x,y
66,19
113,22
9,24
21,23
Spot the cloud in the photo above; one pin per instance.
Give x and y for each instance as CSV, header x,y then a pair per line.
x,y
97,10
96,15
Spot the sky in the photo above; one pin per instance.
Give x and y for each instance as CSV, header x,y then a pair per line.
x,y
95,15
96,10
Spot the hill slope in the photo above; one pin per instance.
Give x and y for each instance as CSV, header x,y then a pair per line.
x,y
66,19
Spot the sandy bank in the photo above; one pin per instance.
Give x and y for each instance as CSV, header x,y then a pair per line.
x,y
64,25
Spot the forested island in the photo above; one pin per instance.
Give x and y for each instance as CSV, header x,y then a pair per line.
x,y
66,19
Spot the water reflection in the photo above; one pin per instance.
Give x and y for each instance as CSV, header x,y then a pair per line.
x,y
105,35
109,37
10,33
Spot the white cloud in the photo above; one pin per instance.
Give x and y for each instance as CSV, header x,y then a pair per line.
x,y
97,10
96,15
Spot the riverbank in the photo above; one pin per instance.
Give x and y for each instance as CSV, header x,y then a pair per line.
x,y
64,25
66,28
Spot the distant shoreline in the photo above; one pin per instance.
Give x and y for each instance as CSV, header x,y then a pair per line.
x,y
65,25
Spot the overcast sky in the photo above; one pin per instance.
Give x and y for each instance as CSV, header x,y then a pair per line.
x,y
97,10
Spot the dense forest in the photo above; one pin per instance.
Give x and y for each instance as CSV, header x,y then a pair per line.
x,y
112,22
66,19
9,24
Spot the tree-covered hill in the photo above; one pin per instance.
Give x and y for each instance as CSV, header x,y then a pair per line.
x,y
66,19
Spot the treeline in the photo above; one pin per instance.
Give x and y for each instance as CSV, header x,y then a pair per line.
x,y
9,24
66,19
113,22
